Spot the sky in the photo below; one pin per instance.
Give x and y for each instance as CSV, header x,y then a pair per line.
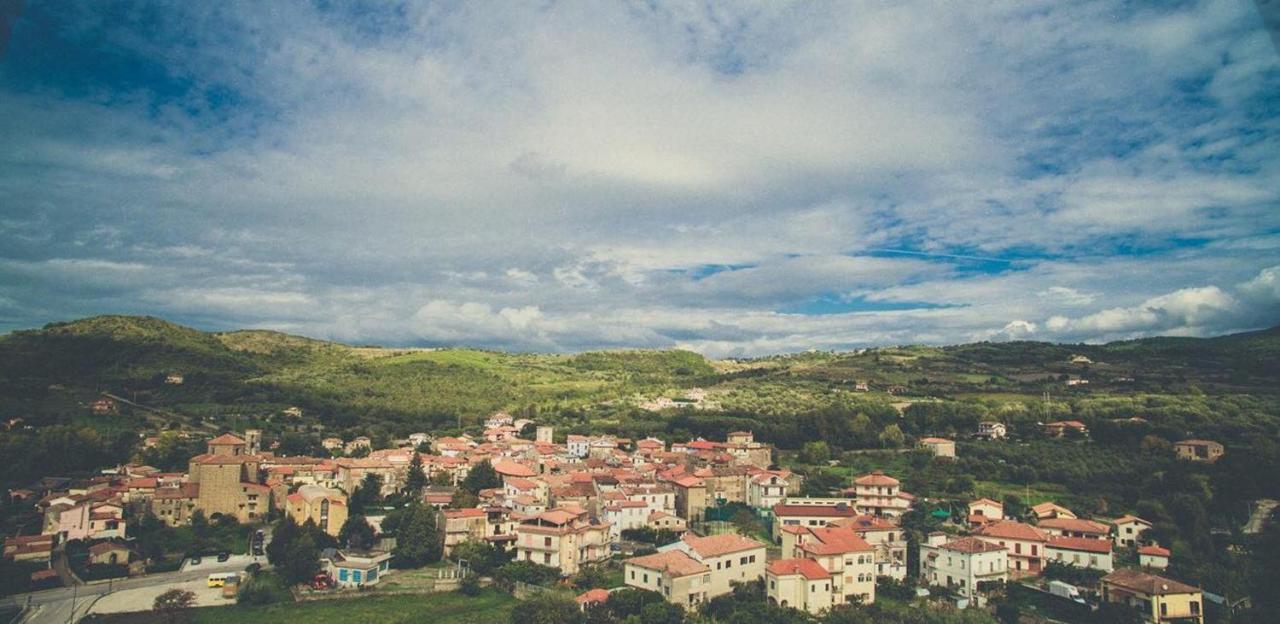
x,y
737,178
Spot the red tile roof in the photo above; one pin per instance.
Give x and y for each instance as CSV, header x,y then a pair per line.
x,y
807,568
877,478
227,439
1144,583
1010,529
1153,551
716,545
971,545
1085,544
814,511
676,562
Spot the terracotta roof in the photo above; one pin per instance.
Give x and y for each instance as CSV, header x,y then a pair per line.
x,y
835,540
816,511
1010,529
102,548
1153,551
807,568
675,562
1085,544
971,545
986,501
592,596
463,513
186,490
508,468
877,477
687,482
716,545
1128,519
937,441
1075,525
226,439
1150,584
866,522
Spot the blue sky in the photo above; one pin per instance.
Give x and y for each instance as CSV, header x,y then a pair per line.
x,y
738,180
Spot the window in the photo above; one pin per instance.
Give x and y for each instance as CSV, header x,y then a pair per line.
x,y
633,575
752,558
742,561
546,541
1195,607
546,558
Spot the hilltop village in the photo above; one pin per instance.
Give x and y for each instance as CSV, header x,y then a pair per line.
x,y
690,521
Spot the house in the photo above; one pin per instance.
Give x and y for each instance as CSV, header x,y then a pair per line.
x,y
1081,552
325,507
697,569
991,430
29,548
1159,599
794,513
108,553
1153,557
1025,543
940,447
1047,510
663,521
563,538
879,494
1075,527
1127,530
798,583
889,540
592,598
985,510
1206,451
624,515
355,568
839,550
1060,428
968,565
767,489
104,405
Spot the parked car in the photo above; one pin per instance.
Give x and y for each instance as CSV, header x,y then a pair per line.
x,y
195,560
223,557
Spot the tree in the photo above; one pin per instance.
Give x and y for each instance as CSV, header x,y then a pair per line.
x,y
892,437
482,476
367,494
590,577
172,606
417,542
416,480
281,539
469,585
302,560
662,613
628,602
356,533
815,452
547,608
481,556
525,572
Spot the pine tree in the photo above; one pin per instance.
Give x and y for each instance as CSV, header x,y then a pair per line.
x,y
281,539
356,533
416,479
481,477
418,541
302,560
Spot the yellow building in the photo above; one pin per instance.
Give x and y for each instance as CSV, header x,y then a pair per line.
x,y
799,584
1158,598
696,569
326,508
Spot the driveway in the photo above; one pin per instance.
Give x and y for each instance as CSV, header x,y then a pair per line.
x,y
143,598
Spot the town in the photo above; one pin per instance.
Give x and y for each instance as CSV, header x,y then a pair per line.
x,y
532,511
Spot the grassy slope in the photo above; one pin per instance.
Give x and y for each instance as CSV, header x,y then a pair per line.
x,y
491,607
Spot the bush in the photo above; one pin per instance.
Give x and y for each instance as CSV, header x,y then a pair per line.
x,y
525,572
99,571
263,588
469,585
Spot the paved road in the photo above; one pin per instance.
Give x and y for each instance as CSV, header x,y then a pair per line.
x,y
54,606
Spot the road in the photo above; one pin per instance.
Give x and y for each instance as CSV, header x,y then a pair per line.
x,y
55,606
1261,511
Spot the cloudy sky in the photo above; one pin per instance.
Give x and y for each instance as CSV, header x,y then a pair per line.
x,y
558,176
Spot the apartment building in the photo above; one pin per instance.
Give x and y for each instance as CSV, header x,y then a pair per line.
x,y
696,569
879,494
1026,545
562,538
1159,599
1081,552
798,583
965,564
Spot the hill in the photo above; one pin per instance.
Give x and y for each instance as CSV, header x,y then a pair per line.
x,y
249,378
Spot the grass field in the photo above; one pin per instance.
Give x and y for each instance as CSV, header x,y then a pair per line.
x,y
490,607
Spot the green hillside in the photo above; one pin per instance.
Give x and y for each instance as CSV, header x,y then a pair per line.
x,y
232,379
